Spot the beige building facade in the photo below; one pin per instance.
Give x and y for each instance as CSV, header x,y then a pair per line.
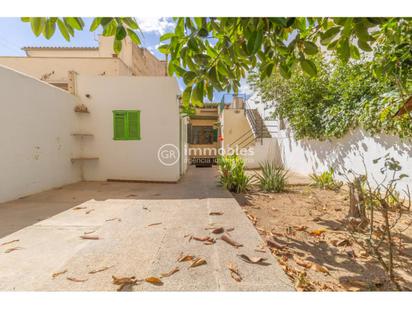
x,y
56,65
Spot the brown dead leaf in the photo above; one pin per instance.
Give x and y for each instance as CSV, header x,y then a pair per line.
x,y
89,237
13,249
230,229
320,268
253,259
154,280
153,224
218,230
216,213
124,282
79,208
168,274
230,241
76,279
317,232
234,272
89,211
100,270
59,273
185,258
303,263
10,242
197,262
274,244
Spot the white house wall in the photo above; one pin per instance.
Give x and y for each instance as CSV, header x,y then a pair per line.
x,y
349,152
36,122
155,98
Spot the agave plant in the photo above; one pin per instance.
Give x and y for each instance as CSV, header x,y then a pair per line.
x,y
273,178
232,174
326,180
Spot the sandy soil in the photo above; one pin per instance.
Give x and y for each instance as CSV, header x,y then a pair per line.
x,y
312,243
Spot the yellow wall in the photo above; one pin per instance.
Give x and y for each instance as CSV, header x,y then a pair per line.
x,y
234,125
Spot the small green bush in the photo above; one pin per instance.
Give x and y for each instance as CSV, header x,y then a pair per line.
x,y
273,178
232,173
326,180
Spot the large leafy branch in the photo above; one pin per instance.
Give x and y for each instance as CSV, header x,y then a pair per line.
x,y
216,53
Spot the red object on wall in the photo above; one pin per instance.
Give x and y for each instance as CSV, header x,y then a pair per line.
x,y
220,138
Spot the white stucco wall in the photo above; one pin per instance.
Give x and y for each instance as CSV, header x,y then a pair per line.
x,y
311,156
36,145
155,97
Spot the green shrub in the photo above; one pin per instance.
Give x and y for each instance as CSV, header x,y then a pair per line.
x,y
273,178
232,174
326,180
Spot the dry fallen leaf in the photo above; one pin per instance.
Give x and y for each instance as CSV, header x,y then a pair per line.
x,y
89,211
317,232
234,272
153,224
79,207
230,229
9,242
218,230
59,273
124,281
89,237
76,279
185,258
303,263
274,244
253,259
230,241
320,268
197,262
216,213
173,271
100,270
154,280
13,249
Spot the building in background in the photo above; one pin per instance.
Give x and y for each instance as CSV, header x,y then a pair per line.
x,y
56,65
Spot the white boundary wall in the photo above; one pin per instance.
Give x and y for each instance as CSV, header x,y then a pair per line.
x,y
311,156
36,122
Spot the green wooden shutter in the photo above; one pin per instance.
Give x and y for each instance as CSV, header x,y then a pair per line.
x,y
119,125
133,121
215,134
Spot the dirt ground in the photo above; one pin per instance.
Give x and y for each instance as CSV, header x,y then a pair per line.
x,y
311,242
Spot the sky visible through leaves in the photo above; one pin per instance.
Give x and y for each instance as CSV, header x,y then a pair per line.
x,y
14,34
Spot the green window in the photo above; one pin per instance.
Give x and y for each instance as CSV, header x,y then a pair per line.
x,y
126,125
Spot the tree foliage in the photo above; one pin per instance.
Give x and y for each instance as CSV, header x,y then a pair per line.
x,y
117,27
216,53
342,96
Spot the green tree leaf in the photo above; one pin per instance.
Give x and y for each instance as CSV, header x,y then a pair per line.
x,y
63,30
308,67
135,38
37,25
49,28
117,46
329,35
95,24
310,48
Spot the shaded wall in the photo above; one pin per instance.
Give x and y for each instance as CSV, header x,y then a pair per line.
x,y
36,145
311,156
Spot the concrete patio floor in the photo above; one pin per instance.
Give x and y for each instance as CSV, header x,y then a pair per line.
x,y
48,227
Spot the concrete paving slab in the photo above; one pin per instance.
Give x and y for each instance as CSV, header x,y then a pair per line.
x,y
121,217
